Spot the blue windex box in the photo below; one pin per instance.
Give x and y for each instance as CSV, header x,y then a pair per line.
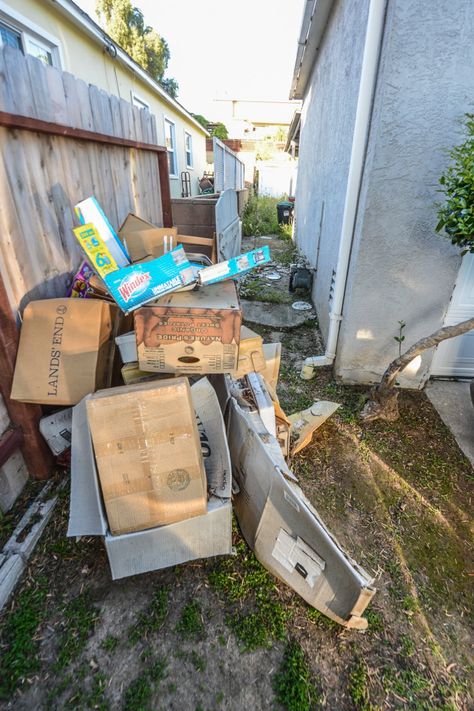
x,y
137,284
236,266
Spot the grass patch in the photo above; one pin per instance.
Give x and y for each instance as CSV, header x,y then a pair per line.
x,y
244,582
151,619
80,619
358,687
138,695
254,288
191,626
20,650
261,218
110,643
293,685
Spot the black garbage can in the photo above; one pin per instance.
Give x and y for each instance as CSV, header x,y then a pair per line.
x,y
285,212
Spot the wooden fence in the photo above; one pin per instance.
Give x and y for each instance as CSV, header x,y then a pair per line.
x,y
53,131
62,140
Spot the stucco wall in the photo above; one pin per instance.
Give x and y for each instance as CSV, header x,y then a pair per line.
x,y
327,123
87,60
400,268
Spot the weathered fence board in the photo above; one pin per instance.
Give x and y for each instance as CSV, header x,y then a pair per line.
x,y
43,176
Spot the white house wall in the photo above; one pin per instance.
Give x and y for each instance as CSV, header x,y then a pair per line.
x,y
327,123
401,269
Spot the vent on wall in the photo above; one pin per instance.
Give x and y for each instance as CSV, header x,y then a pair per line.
x,y
331,286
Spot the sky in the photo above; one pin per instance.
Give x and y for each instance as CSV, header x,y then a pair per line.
x,y
242,49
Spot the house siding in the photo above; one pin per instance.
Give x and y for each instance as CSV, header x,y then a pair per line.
x,y
327,123
88,61
401,269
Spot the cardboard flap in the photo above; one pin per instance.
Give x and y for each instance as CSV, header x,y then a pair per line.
x,y
86,513
213,438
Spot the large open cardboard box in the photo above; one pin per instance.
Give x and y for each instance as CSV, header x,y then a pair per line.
x,y
155,548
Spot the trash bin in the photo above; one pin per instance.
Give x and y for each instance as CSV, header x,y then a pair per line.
x,y
285,212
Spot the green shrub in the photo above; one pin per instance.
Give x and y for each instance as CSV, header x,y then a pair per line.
x,y
456,215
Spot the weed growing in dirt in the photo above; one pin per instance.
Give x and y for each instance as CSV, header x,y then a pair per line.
x,y
152,618
110,643
261,218
244,580
256,289
139,694
20,650
80,618
293,686
191,626
358,687
198,662
317,617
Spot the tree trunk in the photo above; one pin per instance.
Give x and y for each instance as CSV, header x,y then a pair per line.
x,y
383,402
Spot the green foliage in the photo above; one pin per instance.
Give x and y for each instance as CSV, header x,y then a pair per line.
x,y
261,218
219,131
245,580
401,337
126,25
190,626
20,655
80,619
110,643
358,680
456,215
201,119
151,619
293,685
139,694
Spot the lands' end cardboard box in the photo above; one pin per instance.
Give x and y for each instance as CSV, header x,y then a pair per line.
x,y
66,350
148,454
152,549
191,332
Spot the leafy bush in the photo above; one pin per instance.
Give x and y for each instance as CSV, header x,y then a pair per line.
x,y
261,218
456,215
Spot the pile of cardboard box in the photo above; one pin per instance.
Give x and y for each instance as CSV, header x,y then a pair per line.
x,y
184,423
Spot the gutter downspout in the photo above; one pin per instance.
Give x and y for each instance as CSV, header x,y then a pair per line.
x,y
368,79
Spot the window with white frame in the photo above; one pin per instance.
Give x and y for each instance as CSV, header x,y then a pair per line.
x,y
188,149
138,102
170,142
17,31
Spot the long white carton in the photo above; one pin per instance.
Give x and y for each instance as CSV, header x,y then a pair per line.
x,y
279,523
155,548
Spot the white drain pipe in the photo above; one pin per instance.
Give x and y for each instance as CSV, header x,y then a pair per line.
x,y
368,78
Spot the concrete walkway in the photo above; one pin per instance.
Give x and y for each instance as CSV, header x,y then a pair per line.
x,y
452,401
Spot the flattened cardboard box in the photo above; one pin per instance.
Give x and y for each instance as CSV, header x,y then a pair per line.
x,y
191,332
285,531
155,548
65,351
148,454
144,240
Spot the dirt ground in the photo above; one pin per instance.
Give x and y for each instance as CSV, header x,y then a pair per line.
x,y
223,634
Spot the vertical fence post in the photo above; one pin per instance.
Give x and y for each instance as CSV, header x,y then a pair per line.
x,y
37,456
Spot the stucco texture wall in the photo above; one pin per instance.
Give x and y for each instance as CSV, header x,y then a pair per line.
x,y
85,59
401,269
327,124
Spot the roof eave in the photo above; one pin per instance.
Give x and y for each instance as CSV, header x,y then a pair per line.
x,y
76,15
315,17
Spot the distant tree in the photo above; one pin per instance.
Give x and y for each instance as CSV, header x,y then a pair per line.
x,y
126,25
202,120
218,129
